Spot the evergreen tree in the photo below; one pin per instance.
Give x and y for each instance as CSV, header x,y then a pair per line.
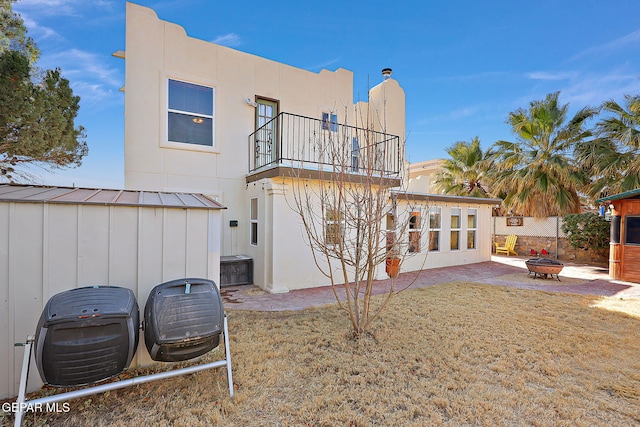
x,y
37,109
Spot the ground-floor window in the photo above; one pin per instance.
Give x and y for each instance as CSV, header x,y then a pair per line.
x,y
455,229
254,222
472,227
632,227
434,228
414,231
333,227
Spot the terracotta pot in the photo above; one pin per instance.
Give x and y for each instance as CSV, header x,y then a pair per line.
x,y
393,267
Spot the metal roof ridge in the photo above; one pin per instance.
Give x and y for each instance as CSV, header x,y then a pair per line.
x,y
179,196
117,196
73,190
65,195
92,195
12,188
208,199
619,196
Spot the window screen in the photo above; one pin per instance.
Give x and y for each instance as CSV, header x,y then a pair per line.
x,y
632,233
190,113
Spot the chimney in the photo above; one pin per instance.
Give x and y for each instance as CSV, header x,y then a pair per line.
x,y
386,73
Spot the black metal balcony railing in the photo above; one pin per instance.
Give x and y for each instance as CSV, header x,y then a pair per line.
x,y
303,142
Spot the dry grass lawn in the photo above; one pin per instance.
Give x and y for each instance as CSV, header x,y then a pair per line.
x,y
454,354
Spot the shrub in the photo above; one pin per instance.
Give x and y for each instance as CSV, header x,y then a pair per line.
x,y
586,231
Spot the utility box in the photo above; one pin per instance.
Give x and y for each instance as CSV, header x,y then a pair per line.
x,y
86,335
183,319
236,270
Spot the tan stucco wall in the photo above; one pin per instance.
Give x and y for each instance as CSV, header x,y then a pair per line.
x,y
422,176
157,50
283,256
445,256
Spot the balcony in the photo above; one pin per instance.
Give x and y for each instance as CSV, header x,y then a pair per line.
x,y
293,145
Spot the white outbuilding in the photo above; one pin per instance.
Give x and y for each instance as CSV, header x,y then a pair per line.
x,y
53,239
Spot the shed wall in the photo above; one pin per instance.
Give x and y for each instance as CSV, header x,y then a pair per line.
x,y
629,253
48,248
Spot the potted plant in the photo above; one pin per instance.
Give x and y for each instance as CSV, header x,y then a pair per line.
x,y
393,266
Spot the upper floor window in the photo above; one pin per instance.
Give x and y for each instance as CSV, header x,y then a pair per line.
x,y
330,121
355,154
190,113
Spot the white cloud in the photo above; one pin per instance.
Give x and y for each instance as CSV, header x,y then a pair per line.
x,y
41,10
36,31
583,88
90,76
611,47
59,7
231,40
325,64
75,62
454,115
95,93
547,75
484,75
593,89
48,7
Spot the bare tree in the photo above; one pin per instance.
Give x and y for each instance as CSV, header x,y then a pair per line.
x,y
354,214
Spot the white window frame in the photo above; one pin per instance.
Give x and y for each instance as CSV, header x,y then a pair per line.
x,y
472,232
415,228
630,237
457,229
331,220
329,121
253,222
437,230
355,154
195,115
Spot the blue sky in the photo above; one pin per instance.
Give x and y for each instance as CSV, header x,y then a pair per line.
x,y
464,65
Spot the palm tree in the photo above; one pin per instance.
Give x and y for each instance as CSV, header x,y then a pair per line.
x,y
535,173
465,172
614,157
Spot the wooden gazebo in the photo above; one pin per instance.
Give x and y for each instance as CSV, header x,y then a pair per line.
x,y
624,252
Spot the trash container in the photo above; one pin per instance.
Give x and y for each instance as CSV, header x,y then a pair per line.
x,y
183,319
86,335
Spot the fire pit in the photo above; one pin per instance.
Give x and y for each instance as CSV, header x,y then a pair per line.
x,y
544,267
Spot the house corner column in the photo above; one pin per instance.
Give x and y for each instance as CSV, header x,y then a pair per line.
x,y
274,203
614,245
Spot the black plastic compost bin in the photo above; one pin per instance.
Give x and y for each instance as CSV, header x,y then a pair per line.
x,y
183,319
86,335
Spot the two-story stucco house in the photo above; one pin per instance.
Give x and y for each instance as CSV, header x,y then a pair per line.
x,y
200,117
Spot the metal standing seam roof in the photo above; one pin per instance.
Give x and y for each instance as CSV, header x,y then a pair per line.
x,y
88,196
447,198
625,195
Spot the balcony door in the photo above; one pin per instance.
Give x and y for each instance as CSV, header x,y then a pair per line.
x,y
266,149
